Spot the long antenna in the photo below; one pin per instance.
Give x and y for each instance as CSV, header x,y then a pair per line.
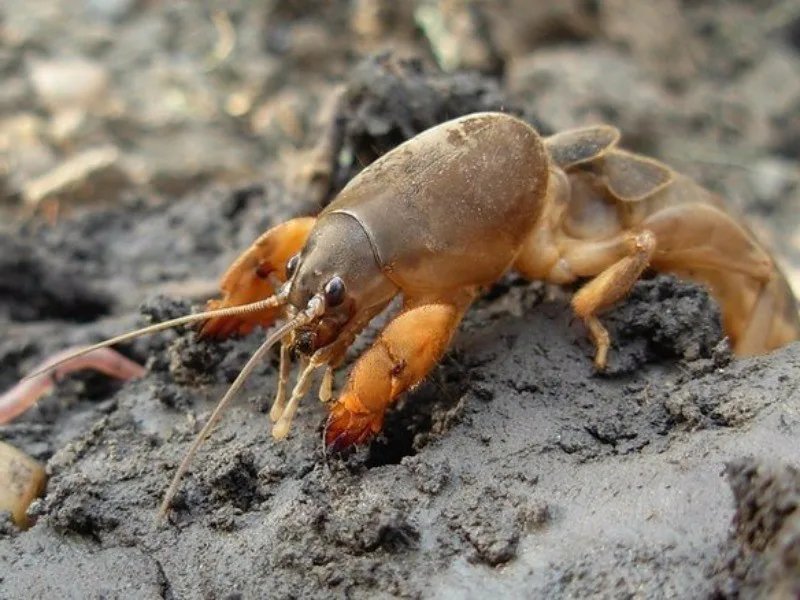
x,y
315,307
270,302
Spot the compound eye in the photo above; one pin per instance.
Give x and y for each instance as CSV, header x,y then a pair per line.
x,y
291,266
334,292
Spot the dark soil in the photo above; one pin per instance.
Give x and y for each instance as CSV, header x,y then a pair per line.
x,y
515,470
514,454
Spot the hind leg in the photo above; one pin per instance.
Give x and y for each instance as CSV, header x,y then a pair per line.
x,y
765,319
253,276
608,288
756,333
708,246
616,264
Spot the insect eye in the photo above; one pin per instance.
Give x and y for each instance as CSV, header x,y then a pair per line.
x,y
291,266
334,292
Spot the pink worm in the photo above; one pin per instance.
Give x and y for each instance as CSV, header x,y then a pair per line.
x,y
22,396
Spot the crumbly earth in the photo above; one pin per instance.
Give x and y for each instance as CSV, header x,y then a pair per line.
x,y
763,558
514,470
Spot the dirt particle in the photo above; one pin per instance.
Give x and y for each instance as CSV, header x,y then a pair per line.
x,y
764,553
419,97
663,318
232,478
74,506
428,478
493,523
373,523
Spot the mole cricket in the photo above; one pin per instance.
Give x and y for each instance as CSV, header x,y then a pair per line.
x,y
443,216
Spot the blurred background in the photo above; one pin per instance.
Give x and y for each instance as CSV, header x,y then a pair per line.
x,y
101,99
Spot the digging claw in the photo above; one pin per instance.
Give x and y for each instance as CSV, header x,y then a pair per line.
x,y
345,428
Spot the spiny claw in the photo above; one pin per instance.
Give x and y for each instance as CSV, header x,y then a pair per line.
x,y
345,428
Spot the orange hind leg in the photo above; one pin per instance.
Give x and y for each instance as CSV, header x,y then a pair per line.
x,y
609,287
697,241
758,316
253,275
616,264
704,244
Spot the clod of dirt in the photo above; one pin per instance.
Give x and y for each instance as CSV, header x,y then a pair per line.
x,y
390,100
369,523
492,524
191,359
428,478
234,478
79,510
7,527
163,308
664,318
765,560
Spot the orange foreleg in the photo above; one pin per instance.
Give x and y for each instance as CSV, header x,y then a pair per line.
x,y
400,358
251,277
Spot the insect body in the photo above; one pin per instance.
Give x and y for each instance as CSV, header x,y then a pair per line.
x,y
434,220
449,212
457,206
